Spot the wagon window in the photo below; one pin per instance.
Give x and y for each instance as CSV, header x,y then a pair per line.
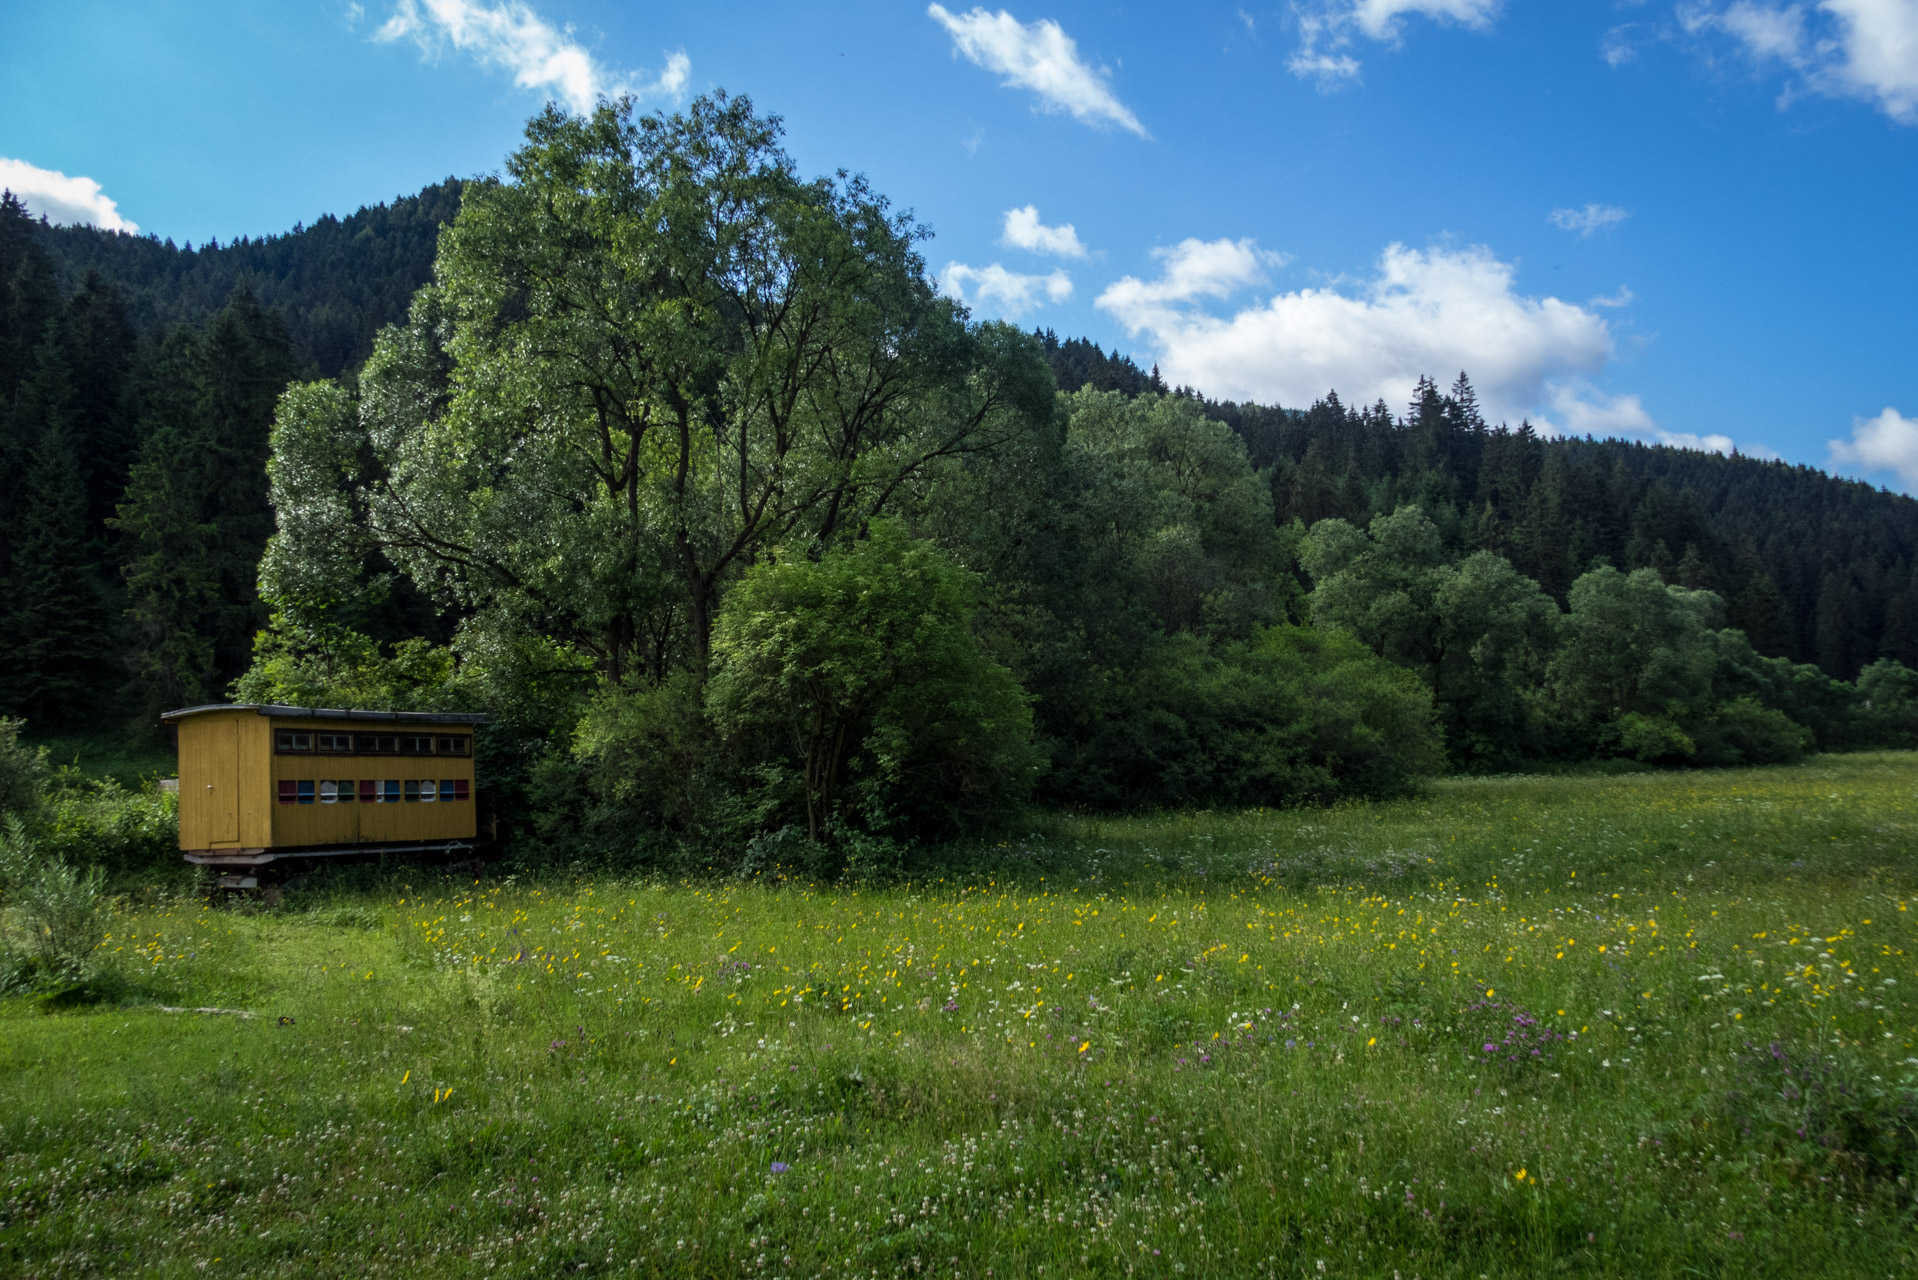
x,y
454,746
413,744
376,744
336,742
292,740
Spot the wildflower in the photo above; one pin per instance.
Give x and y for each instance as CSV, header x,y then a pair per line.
x,y
780,1166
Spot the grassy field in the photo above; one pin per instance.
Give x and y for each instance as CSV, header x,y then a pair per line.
x,y
1646,1025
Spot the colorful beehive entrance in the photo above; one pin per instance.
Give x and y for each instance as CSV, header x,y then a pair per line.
x,y
267,784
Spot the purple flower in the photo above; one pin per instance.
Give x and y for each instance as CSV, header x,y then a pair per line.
x,y
1491,1048
780,1166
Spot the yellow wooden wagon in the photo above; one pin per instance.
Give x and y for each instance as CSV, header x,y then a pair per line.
x,y
270,786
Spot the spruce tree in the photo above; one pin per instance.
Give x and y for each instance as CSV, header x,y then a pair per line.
x,y
101,352
55,625
170,543
196,515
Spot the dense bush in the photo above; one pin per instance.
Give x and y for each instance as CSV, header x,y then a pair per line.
x,y
1743,731
53,915
97,823
1888,705
857,683
1293,716
23,772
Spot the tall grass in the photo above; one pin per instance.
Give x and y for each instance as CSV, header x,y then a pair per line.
x,y
1648,1025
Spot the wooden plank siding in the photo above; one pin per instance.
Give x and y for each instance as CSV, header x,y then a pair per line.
x,y
230,776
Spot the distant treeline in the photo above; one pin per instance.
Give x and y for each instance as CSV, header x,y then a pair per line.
x,y
138,381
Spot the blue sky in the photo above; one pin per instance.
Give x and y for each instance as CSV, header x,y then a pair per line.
x,y
1680,220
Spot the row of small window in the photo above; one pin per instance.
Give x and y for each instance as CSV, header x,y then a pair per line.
x,y
300,741
376,791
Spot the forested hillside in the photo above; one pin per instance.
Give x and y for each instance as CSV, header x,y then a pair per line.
x,y
137,386
334,283
770,537
1812,567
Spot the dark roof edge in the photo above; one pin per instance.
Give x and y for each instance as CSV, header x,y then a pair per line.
x,y
332,713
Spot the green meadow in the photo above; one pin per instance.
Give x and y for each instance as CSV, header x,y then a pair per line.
x,y
1646,1025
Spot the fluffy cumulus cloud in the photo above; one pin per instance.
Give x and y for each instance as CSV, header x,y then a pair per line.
x,y
1003,292
509,36
1038,56
1423,312
1593,217
1327,29
1864,49
1024,231
1886,443
59,198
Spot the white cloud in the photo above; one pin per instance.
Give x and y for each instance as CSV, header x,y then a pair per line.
x,y
1380,18
1192,269
62,199
1764,31
510,36
1888,442
1617,48
1327,27
1580,409
1593,217
1006,293
1865,49
1623,298
1038,56
1025,231
1328,69
1431,312
1880,40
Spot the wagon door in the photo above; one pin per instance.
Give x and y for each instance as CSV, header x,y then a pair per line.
x,y
220,778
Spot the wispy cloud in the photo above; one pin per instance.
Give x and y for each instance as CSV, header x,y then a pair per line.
x,y
1003,292
1861,49
1593,217
1618,47
510,36
1578,408
62,199
1327,29
1886,443
1023,230
1038,56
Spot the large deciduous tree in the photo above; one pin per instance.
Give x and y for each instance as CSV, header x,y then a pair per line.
x,y
651,352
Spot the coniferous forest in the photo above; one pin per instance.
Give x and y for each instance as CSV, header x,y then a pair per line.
x,y
773,542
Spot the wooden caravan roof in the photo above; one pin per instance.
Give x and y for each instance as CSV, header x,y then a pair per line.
x,y
330,713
